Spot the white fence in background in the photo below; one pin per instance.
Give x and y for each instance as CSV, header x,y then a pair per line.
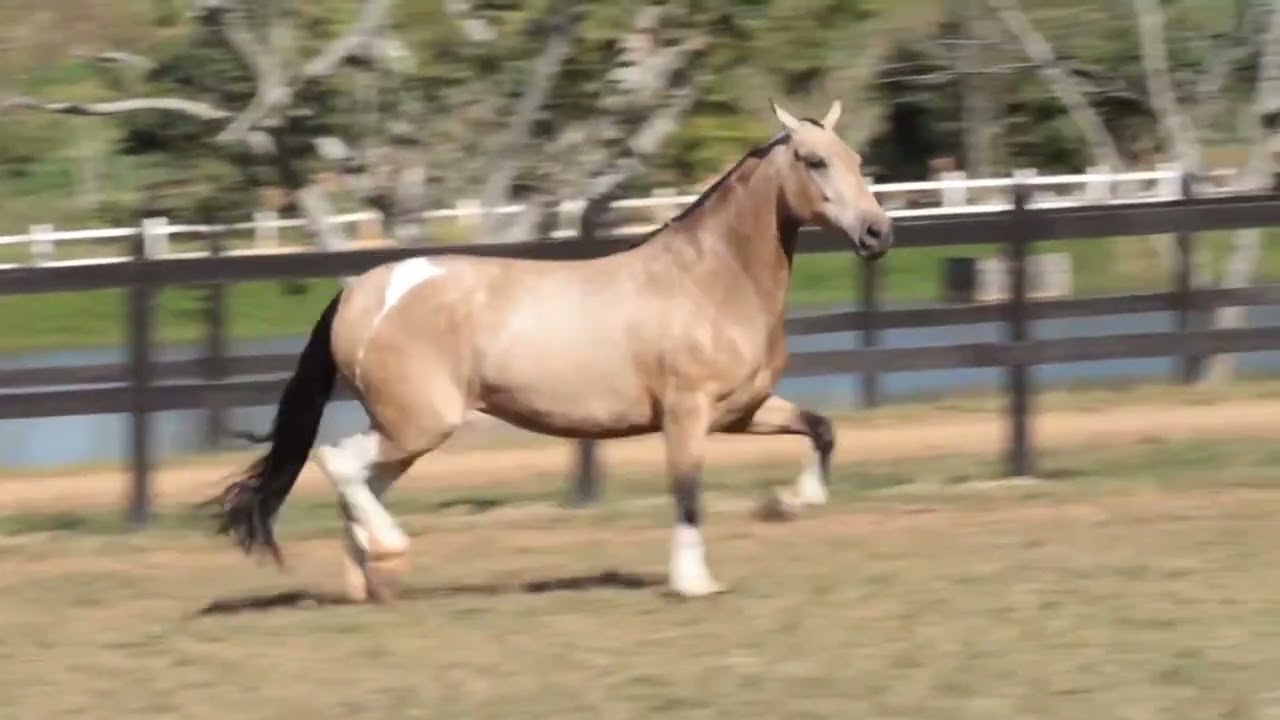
x,y
951,193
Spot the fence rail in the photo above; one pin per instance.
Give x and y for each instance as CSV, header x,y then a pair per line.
x,y
142,385
946,196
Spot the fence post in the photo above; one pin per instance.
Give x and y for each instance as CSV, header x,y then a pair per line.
x,y
869,303
469,217
138,330
1098,188
956,195
1188,365
155,236
215,355
266,230
585,483
568,218
41,243
1020,461
1169,186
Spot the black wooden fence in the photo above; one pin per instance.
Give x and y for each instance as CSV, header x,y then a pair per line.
x,y
142,386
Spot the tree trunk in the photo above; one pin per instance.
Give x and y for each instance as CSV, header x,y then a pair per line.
x,y
975,90
1064,86
1246,248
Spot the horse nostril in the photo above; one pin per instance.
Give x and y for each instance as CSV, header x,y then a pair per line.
x,y
874,232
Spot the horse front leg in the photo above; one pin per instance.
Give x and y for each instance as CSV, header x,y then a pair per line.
x,y
782,417
686,424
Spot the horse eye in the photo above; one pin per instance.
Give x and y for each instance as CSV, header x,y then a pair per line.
x,y
813,162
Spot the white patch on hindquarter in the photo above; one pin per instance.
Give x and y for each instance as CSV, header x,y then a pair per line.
x,y
406,275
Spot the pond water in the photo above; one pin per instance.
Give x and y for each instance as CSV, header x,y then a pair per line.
x,y
50,442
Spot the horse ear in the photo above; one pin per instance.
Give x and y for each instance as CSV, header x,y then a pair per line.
x,y
787,119
833,114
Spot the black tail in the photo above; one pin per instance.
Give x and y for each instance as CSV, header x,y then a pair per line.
x,y
246,509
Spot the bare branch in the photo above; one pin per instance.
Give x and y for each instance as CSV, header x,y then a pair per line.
x,y
635,115
408,200
1210,84
1164,99
120,58
1267,93
191,108
235,28
393,55
269,80
275,91
1064,85
368,24
648,139
474,28
542,80
1242,261
857,65
645,72
318,212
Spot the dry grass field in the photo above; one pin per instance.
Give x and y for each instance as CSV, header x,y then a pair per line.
x,y
1138,579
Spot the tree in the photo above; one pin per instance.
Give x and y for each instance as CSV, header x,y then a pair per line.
x,y
237,96
1254,41
607,127
271,93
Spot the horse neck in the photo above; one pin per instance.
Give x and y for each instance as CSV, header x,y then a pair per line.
x,y
745,228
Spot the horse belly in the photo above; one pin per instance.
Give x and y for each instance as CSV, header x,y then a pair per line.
x,y
561,396
580,414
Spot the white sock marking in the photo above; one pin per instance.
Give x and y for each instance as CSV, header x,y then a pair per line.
x,y
811,486
688,570
349,465
406,275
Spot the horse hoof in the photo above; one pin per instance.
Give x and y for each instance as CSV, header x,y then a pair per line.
x,y
357,588
382,589
382,579
707,589
354,581
777,507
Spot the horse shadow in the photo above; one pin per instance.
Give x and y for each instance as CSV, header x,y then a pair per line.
x,y
308,599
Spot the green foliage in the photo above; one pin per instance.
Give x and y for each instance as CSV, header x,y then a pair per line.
x,y
922,118
761,48
215,181
25,144
1040,134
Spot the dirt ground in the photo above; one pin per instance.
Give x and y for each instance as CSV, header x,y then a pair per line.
x,y
1140,585
1121,603
860,441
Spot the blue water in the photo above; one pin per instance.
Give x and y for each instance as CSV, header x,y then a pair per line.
x,y
49,442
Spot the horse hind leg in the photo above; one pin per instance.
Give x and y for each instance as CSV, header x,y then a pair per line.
x,y
370,561
363,468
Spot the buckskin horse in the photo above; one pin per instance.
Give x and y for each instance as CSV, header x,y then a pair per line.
x,y
682,333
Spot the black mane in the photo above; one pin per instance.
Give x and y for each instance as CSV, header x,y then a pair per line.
x,y
759,151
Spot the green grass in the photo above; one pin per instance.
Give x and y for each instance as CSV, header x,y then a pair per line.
x,y
1099,266
98,318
